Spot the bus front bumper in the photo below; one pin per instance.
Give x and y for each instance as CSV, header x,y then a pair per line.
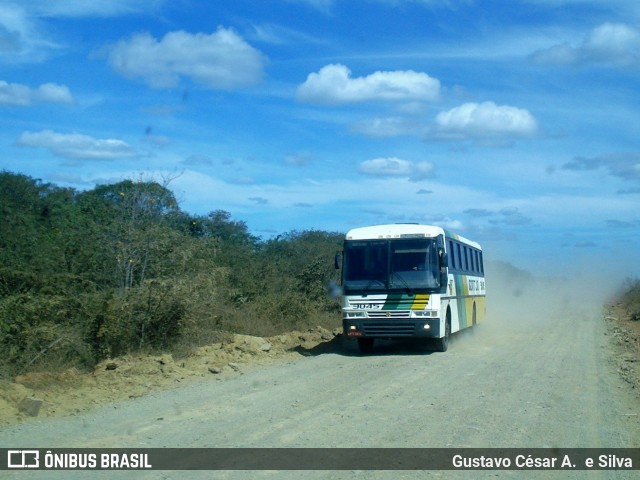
x,y
392,328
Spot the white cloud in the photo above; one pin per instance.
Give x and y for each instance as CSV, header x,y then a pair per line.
x,y
277,34
51,92
620,7
76,146
483,121
220,60
613,42
560,54
324,6
610,43
21,38
13,26
25,38
22,95
396,167
333,84
83,8
388,127
299,159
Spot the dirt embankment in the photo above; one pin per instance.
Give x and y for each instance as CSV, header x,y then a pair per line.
x,y
624,333
71,392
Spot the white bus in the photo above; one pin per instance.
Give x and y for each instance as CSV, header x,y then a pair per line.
x,y
410,280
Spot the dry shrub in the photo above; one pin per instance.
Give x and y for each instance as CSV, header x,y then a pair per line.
x,y
631,299
39,331
146,318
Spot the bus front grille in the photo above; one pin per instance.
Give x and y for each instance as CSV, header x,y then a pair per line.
x,y
388,328
390,314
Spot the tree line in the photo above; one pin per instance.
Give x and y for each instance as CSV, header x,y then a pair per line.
x,y
89,275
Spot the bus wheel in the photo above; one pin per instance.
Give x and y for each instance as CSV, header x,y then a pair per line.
x,y
365,345
442,344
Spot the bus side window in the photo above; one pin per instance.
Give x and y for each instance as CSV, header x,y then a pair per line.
x,y
466,258
451,255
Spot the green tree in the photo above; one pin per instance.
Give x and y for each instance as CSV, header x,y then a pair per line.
x,y
132,218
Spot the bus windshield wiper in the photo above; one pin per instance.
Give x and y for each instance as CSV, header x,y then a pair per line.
x,y
370,284
404,282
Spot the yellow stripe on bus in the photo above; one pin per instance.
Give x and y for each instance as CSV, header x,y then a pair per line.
x,y
420,301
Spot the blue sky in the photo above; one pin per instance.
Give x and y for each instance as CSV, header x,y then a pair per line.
x,y
515,123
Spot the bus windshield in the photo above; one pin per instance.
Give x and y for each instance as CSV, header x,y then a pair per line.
x,y
398,264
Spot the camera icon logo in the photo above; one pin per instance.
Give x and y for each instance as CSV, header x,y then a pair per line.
x,y
23,459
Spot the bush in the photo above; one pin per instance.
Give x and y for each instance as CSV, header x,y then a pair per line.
x,y
631,299
42,331
147,318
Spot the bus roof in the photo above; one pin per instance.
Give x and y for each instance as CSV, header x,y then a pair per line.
x,y
404,230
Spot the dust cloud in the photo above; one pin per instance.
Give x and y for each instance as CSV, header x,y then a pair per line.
x,y
517,298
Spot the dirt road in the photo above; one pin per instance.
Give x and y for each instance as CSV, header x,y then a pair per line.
x,y
532,376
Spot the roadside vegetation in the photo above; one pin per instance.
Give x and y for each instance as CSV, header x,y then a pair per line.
x,y
623,322
630,299
122,269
